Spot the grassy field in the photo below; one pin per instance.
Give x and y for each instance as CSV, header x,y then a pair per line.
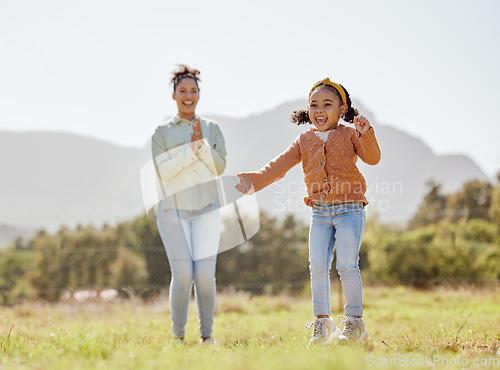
x,y
406,328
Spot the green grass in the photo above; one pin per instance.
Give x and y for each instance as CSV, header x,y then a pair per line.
x,y
404,325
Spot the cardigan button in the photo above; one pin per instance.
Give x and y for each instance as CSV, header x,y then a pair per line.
x,y
323,196
322,162
336,158
325,179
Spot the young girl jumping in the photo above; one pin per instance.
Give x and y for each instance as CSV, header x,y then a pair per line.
x,y
335,191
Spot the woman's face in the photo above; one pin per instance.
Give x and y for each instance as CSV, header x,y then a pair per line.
x,y
186,95
325,109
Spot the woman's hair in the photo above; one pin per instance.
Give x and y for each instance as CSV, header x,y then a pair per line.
x,y
301,117
185,72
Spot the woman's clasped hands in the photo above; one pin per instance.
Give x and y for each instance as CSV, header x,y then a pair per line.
x,y
196,139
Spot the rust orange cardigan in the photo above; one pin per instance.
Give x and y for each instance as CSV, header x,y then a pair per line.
x,y
330,170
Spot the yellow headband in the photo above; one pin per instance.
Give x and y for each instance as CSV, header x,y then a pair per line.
x,y
337,87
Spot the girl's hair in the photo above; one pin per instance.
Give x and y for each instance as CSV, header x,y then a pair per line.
x,y
185,72
301,117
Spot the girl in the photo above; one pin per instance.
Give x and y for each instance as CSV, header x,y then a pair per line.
x,y
189,152
335,191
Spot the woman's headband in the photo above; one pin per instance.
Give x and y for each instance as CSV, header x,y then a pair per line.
x,y
337,87
179,77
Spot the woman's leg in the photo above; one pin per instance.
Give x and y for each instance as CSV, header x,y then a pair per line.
x,y
350,225
321,237
173,230
206,230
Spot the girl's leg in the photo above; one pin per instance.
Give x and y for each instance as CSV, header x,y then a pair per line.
x,y
206,230
321,237
350,225
173,229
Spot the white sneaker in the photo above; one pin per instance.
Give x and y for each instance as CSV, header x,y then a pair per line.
x,y
354,330
179,340
208,341
324,331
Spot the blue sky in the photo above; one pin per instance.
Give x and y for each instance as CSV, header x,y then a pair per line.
x,y
101,68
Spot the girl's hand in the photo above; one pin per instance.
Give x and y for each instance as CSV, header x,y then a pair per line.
x,y
245,186
361,123
196,139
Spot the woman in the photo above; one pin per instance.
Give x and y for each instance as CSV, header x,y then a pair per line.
x,y
188,153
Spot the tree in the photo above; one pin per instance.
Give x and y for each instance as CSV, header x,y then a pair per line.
x,y
432,209
13,267
275,258
148,241
472,201
128,269
494,211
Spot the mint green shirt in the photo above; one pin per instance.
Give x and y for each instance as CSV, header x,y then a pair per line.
x,y
186,179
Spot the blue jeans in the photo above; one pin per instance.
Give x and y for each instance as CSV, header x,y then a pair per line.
x,y
340,227
191,240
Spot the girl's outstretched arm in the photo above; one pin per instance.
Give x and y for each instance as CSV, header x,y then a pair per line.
x,y
271,172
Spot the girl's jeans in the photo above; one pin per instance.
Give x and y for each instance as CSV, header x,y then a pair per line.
x,y
191,240
340,226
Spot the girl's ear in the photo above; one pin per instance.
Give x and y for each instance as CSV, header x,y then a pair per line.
x,y
343,110
173,95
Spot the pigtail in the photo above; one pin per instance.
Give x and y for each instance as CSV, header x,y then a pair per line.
x,y
351,112
300,117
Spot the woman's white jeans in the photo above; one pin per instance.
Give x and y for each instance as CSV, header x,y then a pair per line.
x,y
340,227
191,240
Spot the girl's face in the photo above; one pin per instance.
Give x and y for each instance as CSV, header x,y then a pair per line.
x,y
325,109
186,95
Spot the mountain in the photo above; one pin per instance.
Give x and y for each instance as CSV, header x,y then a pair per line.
x,y
51,178
58,178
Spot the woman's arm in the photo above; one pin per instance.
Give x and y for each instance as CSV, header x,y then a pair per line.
x,y
169,165
214,157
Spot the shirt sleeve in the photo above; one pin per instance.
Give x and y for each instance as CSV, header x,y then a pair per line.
x,y
214,157
170,165
366,147
276,169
